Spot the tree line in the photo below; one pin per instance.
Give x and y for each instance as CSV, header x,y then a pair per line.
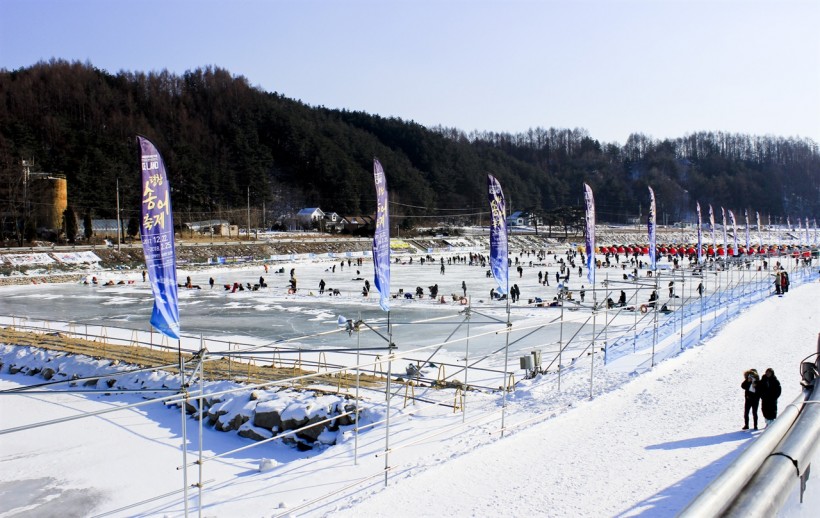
x,y
227,144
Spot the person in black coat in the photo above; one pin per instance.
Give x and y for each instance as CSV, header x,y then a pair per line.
x,y
752,395
769,389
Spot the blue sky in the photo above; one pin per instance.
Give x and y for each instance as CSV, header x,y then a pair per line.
x,y
660,67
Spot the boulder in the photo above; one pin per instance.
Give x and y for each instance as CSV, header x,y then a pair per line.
x,y
231,424
48,373
293,424
269,419
347,420
313,430
255,433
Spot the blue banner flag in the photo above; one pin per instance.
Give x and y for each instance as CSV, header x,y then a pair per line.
x,y
807,231
725,239
700,234
590,233
759,235
499,261
734,230
157,235
651,225
712,227
381,238
748,242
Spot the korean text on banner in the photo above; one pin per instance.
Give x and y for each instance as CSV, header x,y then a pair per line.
x,y
590,233
499,264
381,238
700,234
651,226
157,234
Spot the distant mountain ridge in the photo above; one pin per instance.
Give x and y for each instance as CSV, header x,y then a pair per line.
x,y
228,145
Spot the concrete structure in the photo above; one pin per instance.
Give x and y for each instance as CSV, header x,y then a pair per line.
x,y
48,198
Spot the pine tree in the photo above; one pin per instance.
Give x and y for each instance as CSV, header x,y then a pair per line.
x,y
70,225
88,231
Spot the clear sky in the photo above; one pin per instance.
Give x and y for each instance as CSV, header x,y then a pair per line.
x,y
664,68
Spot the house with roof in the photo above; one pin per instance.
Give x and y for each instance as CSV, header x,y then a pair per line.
x,y
101,227
213,227
519,218
354,223
309,215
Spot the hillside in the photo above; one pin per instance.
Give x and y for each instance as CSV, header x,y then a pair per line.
x,y
230,147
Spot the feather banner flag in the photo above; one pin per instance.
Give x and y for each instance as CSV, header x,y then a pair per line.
x,y
499,255
590,233
651,228
725,239
734,230
748,242
700,233
807,231
381,238
157,235
759,235
712,226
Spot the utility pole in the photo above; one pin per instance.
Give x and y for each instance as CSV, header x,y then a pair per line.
x,y
249,213
119,230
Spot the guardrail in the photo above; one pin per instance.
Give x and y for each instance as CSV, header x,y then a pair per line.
x,y
760,480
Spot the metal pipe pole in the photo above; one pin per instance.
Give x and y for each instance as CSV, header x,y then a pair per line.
x,y
592,358
506,355
184,392
655,321
201,404
358,372
560,346
389,396
466,364
119,230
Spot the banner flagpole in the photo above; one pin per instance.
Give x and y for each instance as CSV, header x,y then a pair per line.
x,y
157,236
499,266
381,266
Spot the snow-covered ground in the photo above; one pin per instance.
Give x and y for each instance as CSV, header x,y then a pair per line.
x,y
645,444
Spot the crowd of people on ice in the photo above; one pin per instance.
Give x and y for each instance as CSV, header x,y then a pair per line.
x,y
568,263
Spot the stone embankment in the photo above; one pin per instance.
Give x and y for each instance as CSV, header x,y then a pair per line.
x,y
315,412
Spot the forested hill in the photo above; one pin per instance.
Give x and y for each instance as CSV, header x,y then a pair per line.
x,y
220,136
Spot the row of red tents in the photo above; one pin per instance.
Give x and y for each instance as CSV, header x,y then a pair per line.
x,y
709,251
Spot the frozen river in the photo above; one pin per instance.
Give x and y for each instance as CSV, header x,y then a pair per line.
x,y
309,320
271,314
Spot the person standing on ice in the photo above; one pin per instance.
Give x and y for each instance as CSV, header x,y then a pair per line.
x,y
321,286
752,396
769,390
464,287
